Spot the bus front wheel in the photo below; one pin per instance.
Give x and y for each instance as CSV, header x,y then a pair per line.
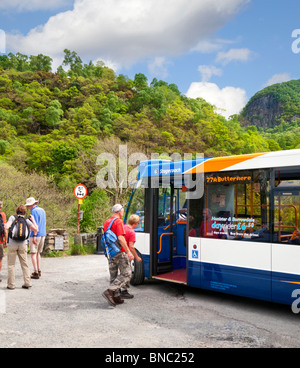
x,y
137,268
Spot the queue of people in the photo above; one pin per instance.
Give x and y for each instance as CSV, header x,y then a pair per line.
x,y
19,229
15,233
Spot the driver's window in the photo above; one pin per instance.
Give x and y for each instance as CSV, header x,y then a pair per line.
x,y
164,207
136,207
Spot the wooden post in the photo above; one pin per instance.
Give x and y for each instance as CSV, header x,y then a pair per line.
x,y
80,192
78,219
78,215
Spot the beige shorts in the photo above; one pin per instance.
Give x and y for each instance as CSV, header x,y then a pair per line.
x,y
39,246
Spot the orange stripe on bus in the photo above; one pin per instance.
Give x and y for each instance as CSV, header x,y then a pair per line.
x,y
291,282
221,163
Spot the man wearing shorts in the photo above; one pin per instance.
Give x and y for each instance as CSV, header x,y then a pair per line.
x,y
36,240
3,238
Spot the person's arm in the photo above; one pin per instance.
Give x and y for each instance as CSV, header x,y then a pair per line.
x,y
34,228
133,251
123,243
7,225
6,228
5,236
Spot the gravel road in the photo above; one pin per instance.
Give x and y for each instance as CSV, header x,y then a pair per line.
x,y
64,308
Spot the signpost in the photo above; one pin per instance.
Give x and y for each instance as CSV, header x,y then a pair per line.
x,y
80,192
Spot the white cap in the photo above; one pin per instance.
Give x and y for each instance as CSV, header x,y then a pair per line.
x,y
117,208
31,201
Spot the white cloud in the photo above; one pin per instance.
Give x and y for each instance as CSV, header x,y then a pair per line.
x,y
126,31
228,101
208,46
278,78
233,55
207,71
33,5
159,67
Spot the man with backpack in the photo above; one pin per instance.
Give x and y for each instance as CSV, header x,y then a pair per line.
x,y
3,235
118,262
19,228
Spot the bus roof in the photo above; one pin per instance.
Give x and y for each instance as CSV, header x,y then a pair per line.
x,y
250,161
156,168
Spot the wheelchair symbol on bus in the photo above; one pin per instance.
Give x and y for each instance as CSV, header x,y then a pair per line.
x,y
195,254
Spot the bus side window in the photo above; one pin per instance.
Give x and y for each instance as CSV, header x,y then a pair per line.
x,y
287,205
237,206
286,217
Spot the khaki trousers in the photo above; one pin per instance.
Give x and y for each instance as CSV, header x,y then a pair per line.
x,y
12,253
120,272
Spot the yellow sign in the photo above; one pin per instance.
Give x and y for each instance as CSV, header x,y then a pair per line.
x,y
228,179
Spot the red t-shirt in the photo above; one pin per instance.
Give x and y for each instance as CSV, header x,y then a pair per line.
x,y
117,227
4,220
130,235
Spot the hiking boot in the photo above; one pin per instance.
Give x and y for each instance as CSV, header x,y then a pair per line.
x,y
109,296
118,300
35,275
126,295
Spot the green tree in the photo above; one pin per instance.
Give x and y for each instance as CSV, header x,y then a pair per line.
x,y
140,81
54,114
40,62
3,146
19,62
59,155
74,61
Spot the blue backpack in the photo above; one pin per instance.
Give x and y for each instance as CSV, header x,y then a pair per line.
x,y
110,243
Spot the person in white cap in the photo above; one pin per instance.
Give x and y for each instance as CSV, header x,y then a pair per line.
x,y
119,266
36,239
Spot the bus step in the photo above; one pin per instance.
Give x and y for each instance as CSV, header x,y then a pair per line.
x,y
178,276
163,267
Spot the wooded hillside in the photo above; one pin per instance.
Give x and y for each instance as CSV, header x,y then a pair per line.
x,y
56,124
275,110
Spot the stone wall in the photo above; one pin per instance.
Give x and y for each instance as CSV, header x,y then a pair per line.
x,y
86,239
55,238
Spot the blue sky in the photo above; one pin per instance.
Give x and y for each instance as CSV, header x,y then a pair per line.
x,y
224,51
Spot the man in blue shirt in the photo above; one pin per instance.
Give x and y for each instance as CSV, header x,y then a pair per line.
x,y
36,239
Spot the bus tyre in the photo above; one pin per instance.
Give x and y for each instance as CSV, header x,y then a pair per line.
x,y
137,268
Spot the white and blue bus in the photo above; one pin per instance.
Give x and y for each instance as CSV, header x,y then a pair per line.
x,y
228,224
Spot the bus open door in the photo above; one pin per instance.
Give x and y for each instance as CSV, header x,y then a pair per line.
x,y
169,248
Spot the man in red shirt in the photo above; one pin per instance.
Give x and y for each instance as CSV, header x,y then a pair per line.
x,y
130,238
3,238
119,266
